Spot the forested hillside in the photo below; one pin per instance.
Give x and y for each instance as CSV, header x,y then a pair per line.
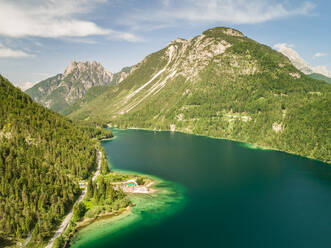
x,y
222,84
42,158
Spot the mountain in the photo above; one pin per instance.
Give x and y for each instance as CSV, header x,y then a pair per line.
x,y
300,63
43,157
62,90
225,85
121,75
320,77
96,91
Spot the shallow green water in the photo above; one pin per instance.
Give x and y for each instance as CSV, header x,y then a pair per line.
x,y
225,195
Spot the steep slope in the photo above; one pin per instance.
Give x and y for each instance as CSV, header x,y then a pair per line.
x,y
225,85
320,77
62,90
42,158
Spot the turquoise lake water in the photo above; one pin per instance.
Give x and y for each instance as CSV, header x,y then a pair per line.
x,y
215,193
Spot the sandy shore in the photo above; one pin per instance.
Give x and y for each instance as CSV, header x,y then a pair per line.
x,y
84,223
132,187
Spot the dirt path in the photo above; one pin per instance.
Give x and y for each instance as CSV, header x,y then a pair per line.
x,y
66,220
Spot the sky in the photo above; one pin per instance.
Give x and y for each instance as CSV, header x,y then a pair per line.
x,y
39,38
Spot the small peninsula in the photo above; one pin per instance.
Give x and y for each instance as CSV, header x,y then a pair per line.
x,y
106,197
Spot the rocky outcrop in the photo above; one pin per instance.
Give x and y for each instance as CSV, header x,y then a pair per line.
x,y
198,51
79,77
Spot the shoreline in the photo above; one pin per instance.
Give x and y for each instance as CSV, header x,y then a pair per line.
x,y
85,223
81,225
249,145
109,215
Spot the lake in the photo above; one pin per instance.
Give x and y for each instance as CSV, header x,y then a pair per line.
x,y
215,193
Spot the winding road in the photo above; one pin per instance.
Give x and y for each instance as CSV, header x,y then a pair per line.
x,y
66,220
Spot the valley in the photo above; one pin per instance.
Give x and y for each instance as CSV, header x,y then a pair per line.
x,y
215,139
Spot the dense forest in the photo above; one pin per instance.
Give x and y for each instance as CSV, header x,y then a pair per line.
x,y
101,198
43,156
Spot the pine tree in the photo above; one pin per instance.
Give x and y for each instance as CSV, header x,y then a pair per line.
x,y
95,193
90,191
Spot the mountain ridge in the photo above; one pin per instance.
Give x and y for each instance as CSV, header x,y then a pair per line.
x,y
225,85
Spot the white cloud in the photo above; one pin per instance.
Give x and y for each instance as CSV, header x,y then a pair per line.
x,y
124,36
299,62
45,19
317,55
294,57
322,69
282,46
50,19
26,85
41,74
230,11
6,52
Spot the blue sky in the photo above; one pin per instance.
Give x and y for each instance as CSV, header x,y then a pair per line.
x,y
38,38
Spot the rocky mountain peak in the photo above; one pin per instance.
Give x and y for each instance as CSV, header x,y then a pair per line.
x,y
95,63
178,40
77,68
70,68
219,31
232,32
60,91
192,55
